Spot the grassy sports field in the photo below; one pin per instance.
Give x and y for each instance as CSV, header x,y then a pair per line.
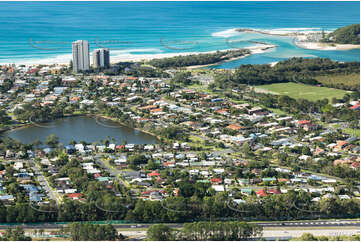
x,y
296,90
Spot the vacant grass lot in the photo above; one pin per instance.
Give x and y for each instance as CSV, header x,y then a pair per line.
x,y
296,90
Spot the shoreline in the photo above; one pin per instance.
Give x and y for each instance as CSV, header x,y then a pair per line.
x,y
275,32
300,39
27,125
300,35
253,51
324,46
256,49
122,124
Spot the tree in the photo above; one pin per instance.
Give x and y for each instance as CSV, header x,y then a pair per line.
x,y
186,189
37,143
307,237
152,165
182,77
346,35
4,118
306,150
246,149
52,141
15,235
85,232
160,232
136,160
220,231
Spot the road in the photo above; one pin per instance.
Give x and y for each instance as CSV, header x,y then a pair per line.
x,y
269,234
314,223
288,224
275,233
112,171
288,233
43,182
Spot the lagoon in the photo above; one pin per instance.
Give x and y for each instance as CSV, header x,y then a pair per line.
x,y
81,128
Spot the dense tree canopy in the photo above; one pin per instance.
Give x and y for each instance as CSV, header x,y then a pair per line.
x,y
346,35
16,234
84,232
204,231
291,70
197,59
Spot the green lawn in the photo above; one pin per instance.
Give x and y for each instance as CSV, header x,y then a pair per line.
x,y
354,132
198,142
296,90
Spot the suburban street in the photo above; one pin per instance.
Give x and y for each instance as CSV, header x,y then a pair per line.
x,y
111,170
43,182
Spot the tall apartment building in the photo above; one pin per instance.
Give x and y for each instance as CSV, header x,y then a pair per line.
x,y
101,58
81,60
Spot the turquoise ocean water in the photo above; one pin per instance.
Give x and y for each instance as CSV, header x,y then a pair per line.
x,y
42,32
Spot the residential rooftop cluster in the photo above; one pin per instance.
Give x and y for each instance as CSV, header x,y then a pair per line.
x,y
230,143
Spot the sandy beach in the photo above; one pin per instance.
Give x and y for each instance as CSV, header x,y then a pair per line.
x,y
257,49
126,57
301,38
282,32
325,46
253,49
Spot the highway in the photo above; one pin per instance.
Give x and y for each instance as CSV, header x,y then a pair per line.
x,y
310,223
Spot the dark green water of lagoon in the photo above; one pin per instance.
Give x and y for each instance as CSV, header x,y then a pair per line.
x,y
81,128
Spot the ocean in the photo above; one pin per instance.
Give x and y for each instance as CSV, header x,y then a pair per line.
x,y
42,32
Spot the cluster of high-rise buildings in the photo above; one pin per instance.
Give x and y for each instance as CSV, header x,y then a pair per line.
x,y
81,58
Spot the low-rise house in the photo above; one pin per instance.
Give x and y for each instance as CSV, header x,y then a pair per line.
x,y
218,188
7,198
304,157
18,165
74,196
216,180
261,193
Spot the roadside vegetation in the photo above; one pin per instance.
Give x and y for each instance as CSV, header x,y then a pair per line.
x,y
85,232
16,234
205,231
311,237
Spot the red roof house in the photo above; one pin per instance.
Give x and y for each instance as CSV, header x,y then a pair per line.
x,y
216,180
355,107
273,191
154,173
74,196
302,123
355,165
261,193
